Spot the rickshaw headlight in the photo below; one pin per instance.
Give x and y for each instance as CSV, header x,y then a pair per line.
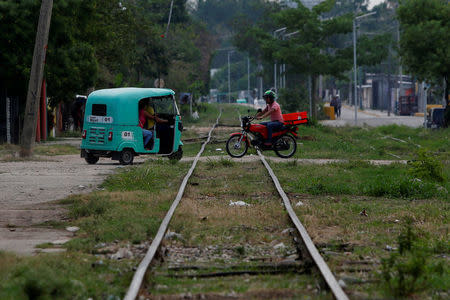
x,y
110,136
83,135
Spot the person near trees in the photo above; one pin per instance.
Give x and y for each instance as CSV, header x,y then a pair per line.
x,y
273,110
338,106
333,104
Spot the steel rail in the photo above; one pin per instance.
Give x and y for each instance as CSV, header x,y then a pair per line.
x,y
336,289
338,293
136,283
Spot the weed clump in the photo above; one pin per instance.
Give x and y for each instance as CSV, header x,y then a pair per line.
x,y
93,206
426,167
36,283
409,271
403,187
222,162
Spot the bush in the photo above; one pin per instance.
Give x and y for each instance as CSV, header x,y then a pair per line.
x,y
38,282
408,271
426,167
293,100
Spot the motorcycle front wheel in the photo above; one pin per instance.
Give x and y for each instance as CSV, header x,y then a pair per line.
x,y
285,146
236,147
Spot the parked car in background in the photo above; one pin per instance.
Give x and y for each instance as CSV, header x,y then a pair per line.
x,y
435,118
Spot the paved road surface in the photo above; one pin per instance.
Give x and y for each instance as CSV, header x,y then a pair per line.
x,y
372,118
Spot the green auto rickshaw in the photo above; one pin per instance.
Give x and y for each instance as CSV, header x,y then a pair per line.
x,y
111,125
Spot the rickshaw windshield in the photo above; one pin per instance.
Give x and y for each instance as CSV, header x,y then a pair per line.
x,y
163,105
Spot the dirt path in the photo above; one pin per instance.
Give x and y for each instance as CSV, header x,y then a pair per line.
x,y
27,189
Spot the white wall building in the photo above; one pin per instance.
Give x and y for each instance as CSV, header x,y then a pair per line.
x,y
307,3
310,3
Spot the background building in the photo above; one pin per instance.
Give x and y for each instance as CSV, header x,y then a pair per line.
x,y
308,3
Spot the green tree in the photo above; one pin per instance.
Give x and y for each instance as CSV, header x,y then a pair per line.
x,y
101,44
425,40
311,50
18,21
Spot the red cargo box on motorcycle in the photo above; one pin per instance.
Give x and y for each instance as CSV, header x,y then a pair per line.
x,y
296,118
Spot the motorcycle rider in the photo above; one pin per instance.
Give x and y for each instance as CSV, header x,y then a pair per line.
x,y
276,117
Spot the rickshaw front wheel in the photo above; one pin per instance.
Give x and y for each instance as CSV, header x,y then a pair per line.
x,y
177,155
126,157
91,159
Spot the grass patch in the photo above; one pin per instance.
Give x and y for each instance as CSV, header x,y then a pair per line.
x,y
205,216
359,178
70,134
222,162
371,143
10,153
335,223
61,276
131,208
354,143
131,217
151,177
52,150
254,287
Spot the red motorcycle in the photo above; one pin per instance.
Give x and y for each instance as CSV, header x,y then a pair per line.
x,y
284,141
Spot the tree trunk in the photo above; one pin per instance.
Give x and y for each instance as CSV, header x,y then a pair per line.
x,y
35,82
314,83
447,108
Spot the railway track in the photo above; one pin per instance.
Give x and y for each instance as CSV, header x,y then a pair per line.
x,y
256,269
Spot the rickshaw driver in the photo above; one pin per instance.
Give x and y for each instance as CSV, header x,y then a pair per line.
x,y
276,117
144,115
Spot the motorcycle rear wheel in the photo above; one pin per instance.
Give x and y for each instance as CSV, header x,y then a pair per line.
x,y
236,148
285,146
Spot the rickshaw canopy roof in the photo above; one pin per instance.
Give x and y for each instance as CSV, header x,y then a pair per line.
x,y
122,103
128,95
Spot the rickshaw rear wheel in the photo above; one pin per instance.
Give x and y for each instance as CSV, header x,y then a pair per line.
x,y
126,157
177,155
91,159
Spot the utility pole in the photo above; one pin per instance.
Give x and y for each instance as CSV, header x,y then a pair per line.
x,y
229,101
229,84
248,77
285,36
170,17
275,68
260,69
354,62
355,95
400,70
425,94
310,97
35,83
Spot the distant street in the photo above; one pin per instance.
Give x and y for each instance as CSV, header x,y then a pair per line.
x,y
371,118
